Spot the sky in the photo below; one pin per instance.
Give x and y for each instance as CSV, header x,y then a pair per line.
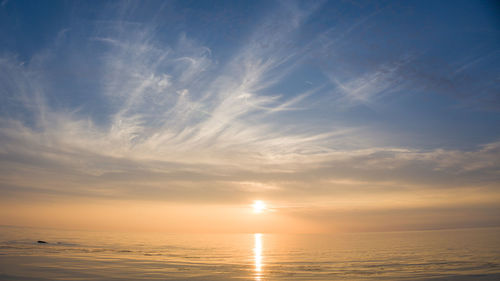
x,y
177,115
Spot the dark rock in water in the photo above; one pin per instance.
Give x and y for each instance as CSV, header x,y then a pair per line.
x,y
41,242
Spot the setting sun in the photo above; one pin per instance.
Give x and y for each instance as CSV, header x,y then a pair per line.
x,y
258,206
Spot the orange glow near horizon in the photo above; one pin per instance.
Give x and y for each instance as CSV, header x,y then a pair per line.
x,y
159,216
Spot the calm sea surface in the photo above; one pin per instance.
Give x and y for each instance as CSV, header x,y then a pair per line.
x,y
472,254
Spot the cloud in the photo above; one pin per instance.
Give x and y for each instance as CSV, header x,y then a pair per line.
x,y
146,119
166,104
367,88
63,161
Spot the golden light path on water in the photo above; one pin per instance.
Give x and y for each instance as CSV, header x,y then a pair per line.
x,y
257,250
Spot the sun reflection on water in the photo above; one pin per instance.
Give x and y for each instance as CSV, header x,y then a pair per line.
x,y
257,250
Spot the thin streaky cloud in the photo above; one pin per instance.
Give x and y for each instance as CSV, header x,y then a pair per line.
x,y
297,107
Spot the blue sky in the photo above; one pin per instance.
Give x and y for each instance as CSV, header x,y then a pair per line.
x,y
308,102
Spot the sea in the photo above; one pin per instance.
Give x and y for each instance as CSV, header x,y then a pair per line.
x,y
465,254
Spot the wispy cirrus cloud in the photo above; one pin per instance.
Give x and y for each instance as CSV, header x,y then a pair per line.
x,y
175,102
128,114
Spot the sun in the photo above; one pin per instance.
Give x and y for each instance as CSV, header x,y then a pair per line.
x,y
258,206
